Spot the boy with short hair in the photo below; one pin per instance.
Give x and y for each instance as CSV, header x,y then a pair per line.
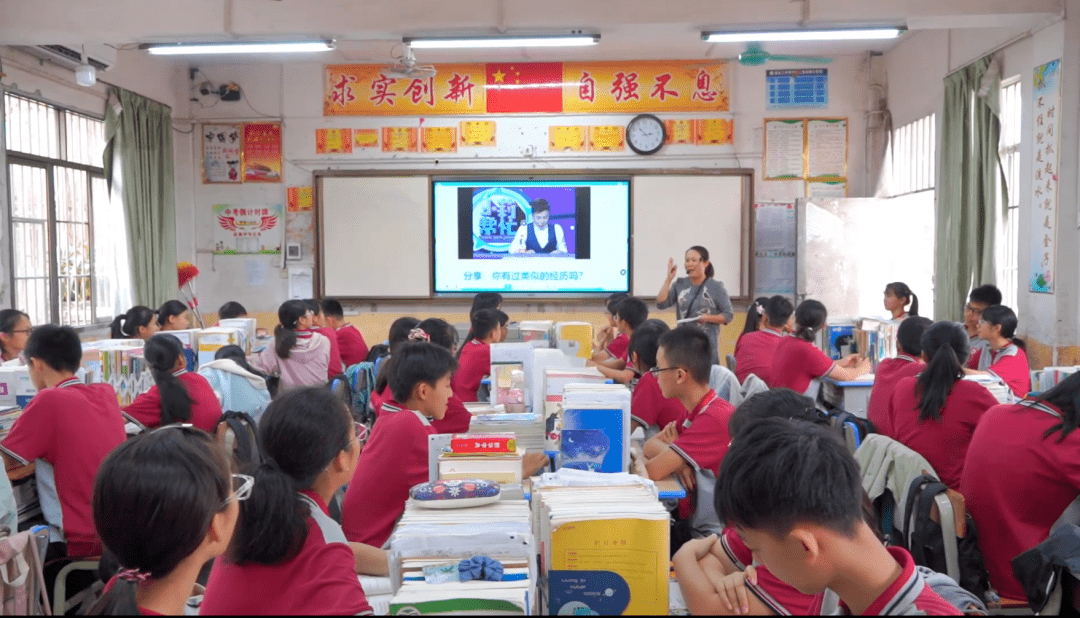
x,y
794,494
68,428
649,409
694,448
986,295
608,343
350,340
629,314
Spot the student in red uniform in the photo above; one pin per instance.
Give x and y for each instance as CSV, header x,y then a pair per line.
x,y
474,357
978,300
797,361
138,323
231,310
694,448
649,409
399,334
717,574
165,502
14,331
299,355
68,427
288,556
935,413
349,338
898,296
318,325
754,351
908,363
629,314
608,343
173,315
396,455
794,495
754,314
1005,357
177,396
1022,471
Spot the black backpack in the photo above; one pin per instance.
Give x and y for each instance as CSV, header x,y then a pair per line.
x,y
927,546
852,429
238,432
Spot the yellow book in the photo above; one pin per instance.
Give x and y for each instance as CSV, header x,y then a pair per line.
x,y
574,338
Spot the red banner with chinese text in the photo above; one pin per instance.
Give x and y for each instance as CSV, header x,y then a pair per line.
x,y
530,87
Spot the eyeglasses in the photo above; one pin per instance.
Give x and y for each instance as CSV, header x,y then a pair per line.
x,y
23,330
242,485
656,370
972,310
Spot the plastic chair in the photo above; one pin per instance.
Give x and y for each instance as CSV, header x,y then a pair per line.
x,y
60,602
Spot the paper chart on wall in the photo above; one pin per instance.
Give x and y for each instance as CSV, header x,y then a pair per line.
x,y
784,149
222,150
1046,99
826,148
301,282
775,247
826,189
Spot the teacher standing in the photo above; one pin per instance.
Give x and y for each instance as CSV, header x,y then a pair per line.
x,y
697,295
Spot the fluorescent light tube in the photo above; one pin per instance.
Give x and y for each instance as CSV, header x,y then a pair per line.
x,y
502,41
238,47
849,34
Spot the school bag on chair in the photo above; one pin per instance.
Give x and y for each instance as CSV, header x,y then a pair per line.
x,y
22,583
361,379
238,433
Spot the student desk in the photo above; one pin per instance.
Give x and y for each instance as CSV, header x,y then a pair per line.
x,y
852,396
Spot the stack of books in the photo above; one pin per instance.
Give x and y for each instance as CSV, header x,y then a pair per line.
x,y
16,388
995,385
1047,378
595,435
574,338
537,332
213,339
528,428
8,416
247,330
490,456
119,363
189,338
555,380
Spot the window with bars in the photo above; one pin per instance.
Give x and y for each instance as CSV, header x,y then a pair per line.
x,y
913,156
1007,246
67,232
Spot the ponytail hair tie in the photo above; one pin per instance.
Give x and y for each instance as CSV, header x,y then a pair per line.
x,y
419,334
760,309
133,575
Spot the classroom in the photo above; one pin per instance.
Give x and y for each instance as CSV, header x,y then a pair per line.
x,y
493,306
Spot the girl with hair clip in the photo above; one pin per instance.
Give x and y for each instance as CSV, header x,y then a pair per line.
x,y
395,457
177,395
754,313
400,330
935,413
697,296
173,315
1021,473
474,358
164,504
755,350
138,323
299,355
897,296
288,556
238,386
797,361
14,332
1005,357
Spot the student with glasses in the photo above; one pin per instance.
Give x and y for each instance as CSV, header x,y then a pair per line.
x,y
165,503
288,556
978,300
14,332
299,355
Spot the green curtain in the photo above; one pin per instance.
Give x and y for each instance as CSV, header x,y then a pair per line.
x,y
140,131
971,177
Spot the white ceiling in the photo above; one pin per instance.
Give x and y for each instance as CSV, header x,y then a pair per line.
x,y
366,30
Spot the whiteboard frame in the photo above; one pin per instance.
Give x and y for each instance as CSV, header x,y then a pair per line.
x,y
746,266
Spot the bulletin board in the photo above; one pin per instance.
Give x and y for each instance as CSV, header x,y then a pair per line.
x,y
806,149
374,228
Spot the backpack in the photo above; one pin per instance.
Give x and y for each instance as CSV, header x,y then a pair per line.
x,y
361,381
239,434
22,585
852,429
927,546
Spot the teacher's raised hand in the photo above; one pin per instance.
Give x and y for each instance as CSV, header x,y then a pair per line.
x,y
671,270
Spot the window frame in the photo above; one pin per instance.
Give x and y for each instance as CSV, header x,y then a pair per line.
x,y
1008,232
907,143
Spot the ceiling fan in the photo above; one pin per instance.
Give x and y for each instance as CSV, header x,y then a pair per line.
x,y
756,56
406,67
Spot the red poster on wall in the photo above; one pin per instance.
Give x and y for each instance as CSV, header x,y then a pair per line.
x,y
262,152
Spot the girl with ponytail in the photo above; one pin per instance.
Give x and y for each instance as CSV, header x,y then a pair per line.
x,y
1005,357
1020,475
288,556
754,314
164,504
935,413
897,296
474,358
755,350
173,315
300,356
138,323
177,395
797,361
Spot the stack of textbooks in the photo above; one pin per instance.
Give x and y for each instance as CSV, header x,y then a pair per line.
x,y
595,435
537,332
995,385
490,456
16,388
528,428
574,338
555,380
213,339
119,363
8,416
1047,378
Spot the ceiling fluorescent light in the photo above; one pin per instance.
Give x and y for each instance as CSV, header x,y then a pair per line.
x,y
238,47
838,34
571,40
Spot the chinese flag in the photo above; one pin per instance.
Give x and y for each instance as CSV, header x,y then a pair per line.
x,y
524,87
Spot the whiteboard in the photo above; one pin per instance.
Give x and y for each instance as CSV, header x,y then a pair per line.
x,y
375,236
675,212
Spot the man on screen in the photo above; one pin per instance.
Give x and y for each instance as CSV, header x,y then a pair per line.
x,y
537,237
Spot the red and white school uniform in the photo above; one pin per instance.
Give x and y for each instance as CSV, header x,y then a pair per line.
x,y
394,459
319,580
307,364
71,427
1016,484
1009,363
378,398
908,595
142,610
619,347
333,364
978,358
351,344
456,419
754,353
651,409
703,435
781,598
889,372
796,362
473,364
205,407
943,443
